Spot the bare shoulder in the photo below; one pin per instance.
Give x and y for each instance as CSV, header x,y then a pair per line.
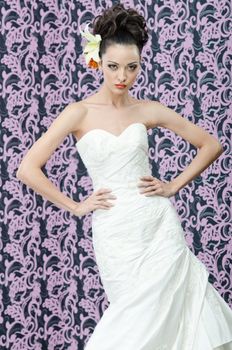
x,y
166,117
161,115
73,116
76,111
149,112
65,123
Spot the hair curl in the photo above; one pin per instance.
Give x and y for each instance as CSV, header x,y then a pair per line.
x,y
122,26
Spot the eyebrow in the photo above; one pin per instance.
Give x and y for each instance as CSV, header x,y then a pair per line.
x,y
128,63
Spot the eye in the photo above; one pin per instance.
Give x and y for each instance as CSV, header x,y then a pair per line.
x,y
133,67
112,65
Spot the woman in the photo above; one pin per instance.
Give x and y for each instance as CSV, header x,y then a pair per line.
x,y
159,293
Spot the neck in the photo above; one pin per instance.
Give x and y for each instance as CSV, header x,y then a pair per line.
x,y
117,100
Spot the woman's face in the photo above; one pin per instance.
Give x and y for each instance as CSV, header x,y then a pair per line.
x,y
120,64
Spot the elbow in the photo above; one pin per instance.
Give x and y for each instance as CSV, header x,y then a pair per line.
x,y
22,171
214,147
20,174
26,172
219,148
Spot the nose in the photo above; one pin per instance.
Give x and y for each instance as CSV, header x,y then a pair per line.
x,y
122,76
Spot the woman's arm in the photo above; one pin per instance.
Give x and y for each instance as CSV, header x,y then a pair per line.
x,y
210,148
29,171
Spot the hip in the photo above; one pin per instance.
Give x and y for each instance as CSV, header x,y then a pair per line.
x,y
133,212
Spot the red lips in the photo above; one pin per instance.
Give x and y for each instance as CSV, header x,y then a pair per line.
x,y
120,85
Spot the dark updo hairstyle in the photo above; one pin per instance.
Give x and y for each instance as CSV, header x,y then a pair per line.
x,y
121,26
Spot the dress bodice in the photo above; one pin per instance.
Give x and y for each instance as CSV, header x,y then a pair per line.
x,y
115,160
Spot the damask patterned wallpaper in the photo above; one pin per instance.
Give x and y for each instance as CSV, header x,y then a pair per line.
x,y
51,293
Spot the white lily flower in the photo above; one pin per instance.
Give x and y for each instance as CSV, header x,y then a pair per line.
x,y
91,50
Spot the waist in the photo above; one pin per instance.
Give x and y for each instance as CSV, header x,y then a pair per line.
x,y
117,185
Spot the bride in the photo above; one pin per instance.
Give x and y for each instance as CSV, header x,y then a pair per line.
x,y
110,127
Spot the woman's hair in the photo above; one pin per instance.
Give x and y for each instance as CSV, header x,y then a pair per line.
x,y
121,26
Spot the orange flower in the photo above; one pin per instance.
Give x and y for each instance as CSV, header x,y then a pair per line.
x,y
93,64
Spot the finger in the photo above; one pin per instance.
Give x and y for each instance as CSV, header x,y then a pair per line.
x,y
103,190
103,200
103,196
109,204
144,184
148,182
104,205
151,188
147,189
147,177
155,192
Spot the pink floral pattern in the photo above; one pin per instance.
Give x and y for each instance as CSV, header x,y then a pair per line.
x,y
51,294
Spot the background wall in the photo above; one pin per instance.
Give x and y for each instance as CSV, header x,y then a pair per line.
x,y
51,293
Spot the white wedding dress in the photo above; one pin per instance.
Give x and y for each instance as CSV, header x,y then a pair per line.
x,y
158,290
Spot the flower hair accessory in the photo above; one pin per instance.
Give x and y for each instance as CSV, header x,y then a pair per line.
x,y
91,49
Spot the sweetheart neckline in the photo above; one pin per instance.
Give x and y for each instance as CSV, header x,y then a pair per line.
x,y
110,133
